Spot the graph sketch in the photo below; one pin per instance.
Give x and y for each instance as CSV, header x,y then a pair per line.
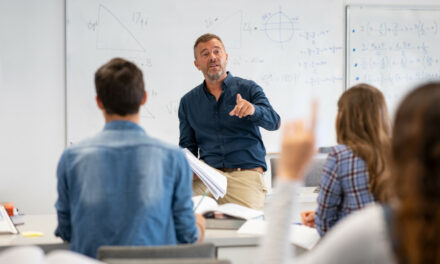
x,y
279,27
113,34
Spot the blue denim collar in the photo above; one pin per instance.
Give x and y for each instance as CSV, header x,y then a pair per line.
x,y
122,125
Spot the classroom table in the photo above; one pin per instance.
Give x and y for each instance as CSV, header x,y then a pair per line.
x,y
239,248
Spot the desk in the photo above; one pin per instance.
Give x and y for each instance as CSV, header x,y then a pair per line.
x,y
239,248
38,223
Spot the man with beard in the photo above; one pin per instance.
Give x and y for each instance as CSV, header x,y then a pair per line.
x,y
220,120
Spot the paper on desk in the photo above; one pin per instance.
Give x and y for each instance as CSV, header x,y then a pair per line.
x,y
300,235
214,181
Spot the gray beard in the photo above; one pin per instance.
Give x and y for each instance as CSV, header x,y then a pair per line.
x,y
214,77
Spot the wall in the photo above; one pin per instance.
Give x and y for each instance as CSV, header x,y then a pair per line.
x,y
32,104
32,92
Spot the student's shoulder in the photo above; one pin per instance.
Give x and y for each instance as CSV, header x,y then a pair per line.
x,y
161,145
340,151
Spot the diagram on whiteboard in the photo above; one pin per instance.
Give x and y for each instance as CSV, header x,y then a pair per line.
x,y
279,27
146,113
113,34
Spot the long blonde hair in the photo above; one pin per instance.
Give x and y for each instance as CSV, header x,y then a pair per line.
x,y
363,125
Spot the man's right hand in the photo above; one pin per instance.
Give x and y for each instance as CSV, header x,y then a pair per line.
x,y
195,176
201,225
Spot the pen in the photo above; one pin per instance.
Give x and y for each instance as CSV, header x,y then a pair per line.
x,y
201,199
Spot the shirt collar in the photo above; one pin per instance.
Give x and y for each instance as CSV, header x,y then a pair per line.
x,y
226,83
228,80
122,125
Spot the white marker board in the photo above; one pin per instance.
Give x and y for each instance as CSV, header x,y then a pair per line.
x,y
393,48
287,47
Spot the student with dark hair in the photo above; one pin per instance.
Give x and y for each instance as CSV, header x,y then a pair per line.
x,y
406,230
353,167
123,187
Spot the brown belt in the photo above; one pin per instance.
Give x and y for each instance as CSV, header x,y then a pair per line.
x,y
258,169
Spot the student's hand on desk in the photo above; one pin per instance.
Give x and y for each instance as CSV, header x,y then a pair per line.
x,y
308,218
242,108
298,147
201,225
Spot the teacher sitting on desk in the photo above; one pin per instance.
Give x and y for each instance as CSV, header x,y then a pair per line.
x,y
123,187
220,119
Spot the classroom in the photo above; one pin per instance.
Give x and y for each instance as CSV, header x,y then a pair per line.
x,y
296,50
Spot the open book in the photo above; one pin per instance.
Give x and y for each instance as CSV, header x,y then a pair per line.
x,y
213,180
35,255
210,209
6,225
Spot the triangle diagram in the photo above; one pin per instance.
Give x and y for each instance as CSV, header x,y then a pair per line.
x,y
113,34
230,30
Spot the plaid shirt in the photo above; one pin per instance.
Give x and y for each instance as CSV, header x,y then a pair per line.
x,y
344,188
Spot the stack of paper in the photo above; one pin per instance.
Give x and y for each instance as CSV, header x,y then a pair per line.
x,y
213,180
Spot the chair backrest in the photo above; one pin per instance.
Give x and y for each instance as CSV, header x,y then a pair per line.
x,y
314,173
205,250
169,261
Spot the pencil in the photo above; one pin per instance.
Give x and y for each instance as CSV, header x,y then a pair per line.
x,y
201,199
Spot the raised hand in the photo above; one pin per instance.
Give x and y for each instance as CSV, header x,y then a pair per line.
x,y
298,147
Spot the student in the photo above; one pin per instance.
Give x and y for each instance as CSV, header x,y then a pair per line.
x,y
123,187
350,173
220,119
406,230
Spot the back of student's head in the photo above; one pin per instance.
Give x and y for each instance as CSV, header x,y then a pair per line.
x,y
416,175
120,87
364,126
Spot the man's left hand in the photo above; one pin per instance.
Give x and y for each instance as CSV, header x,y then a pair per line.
x,y
242,108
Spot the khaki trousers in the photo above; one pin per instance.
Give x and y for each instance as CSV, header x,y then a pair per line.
x,y
244,188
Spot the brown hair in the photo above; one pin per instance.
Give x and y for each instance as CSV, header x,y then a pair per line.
x,y
415,173
364,126
120,87
205,38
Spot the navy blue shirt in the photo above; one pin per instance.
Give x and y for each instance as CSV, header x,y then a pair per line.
x,y
226,141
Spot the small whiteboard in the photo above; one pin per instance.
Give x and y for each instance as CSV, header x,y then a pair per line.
x,y
394,49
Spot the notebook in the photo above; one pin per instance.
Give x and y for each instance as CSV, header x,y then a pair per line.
x,y
6,225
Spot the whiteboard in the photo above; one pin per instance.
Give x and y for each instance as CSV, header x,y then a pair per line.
x,y
287,47
394,49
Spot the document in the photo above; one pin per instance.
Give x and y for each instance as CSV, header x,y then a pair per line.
x,y
213,180
210,209
6,225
